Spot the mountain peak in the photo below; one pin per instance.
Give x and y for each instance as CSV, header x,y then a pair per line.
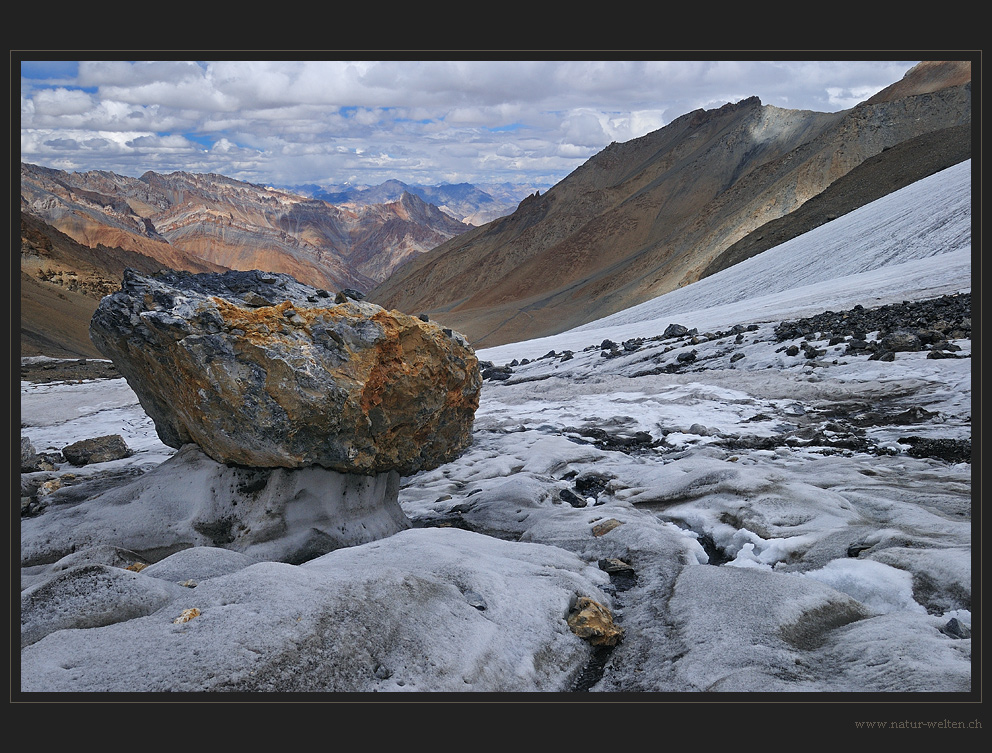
x,y
926,77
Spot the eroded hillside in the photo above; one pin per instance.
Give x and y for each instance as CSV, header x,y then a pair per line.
x,y
185,220
648,216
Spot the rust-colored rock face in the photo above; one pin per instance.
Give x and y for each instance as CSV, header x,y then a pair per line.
x,y
259,370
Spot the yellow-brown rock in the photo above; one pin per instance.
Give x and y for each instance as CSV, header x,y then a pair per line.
x,y
604,527
259,370
592,621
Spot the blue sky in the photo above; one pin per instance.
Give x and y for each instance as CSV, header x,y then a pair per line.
x,y
287,122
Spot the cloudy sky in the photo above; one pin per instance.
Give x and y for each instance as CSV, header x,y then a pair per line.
x,y
420,121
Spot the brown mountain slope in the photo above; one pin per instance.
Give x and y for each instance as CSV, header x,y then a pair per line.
x,y
243,226
925,77
642,218
102,209
61,284
55,321
388,235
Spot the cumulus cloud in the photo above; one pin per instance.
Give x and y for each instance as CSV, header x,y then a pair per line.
x,y
584,128
61,102
417,120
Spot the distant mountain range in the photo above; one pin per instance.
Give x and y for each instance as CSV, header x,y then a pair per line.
x,y
474,205
637,220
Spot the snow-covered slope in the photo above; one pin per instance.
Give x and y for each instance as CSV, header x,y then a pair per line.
x,y
914,243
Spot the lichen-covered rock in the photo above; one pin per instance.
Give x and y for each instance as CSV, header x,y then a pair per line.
x,y
262,371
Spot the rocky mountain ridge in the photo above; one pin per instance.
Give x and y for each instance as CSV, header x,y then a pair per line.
x,y
186,219
653,214
877,176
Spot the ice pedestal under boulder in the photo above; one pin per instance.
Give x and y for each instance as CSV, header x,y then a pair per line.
x,y
278,514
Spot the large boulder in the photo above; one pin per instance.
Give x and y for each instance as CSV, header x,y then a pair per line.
x,y
262,371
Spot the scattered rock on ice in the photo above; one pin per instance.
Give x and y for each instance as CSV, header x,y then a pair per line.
x,y
96,450
592,621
